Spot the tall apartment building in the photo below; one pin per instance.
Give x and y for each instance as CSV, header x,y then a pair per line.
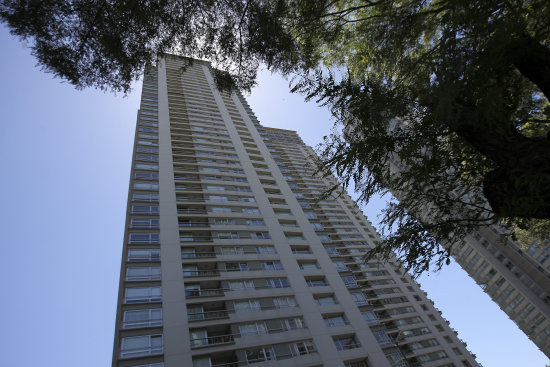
x,y
231,259
518,280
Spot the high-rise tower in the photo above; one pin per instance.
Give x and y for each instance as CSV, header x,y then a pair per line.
x,y
231,259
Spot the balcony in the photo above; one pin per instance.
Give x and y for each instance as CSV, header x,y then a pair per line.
x,y
211,336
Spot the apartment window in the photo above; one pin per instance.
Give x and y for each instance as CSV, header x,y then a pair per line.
x,y
145,197
255,223
239,285
144,255
142,295
150,143
146,176
217,198
257,355
220,209
337,320
144,223
146,150
145,273
144,238
350,281
160,364
272,265
236,267
359,298
383,339
265,250
284,302
142,318
145,209
250,211
294,323
308,265
316,282
278,283
215,188
148,158
137,346
228,235
253,328
340,265
246,306
147,167
260,235
325,300
302,348
346,342
370,318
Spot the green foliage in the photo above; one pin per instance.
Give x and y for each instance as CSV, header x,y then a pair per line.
x,y
449,93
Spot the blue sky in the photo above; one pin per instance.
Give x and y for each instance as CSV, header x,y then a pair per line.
x,y
66,171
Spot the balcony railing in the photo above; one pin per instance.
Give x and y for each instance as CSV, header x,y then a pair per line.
x,y
197,255
212,340
209,315
205,293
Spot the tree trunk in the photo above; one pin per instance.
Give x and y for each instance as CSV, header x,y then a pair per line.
x,y
532,60
520,185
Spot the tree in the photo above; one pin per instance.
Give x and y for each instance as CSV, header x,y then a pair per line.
x,y
461,77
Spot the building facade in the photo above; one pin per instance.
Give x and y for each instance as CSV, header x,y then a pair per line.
x,y
516,279
231,258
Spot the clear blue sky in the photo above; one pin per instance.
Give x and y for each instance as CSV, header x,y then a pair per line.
x,y
66,170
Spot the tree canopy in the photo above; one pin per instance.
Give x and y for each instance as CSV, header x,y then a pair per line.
x,y
452,94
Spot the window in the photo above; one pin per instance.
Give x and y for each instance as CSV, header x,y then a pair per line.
x,y
236,267
338,320
316,282
309,265
239,285
246,306
145,197
253,328
137,346
144,238
359,298
265,250
215,188
146,176
278,283
255,223
142,318
145,273
220,209
147,167
260,355
325,300
302,348
350,281
310,215
144,255
340,265
142,295
284,302
370,318
217,198
260,235
150,143
145,209
148,158
250,211
228,235
383,339
144,223
272,265
345,343
294,323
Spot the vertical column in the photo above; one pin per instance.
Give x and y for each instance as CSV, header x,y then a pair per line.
x,y
177,350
